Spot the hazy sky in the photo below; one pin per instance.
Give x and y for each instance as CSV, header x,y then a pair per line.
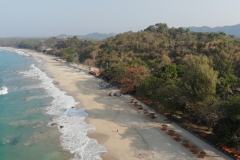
x,y
31,18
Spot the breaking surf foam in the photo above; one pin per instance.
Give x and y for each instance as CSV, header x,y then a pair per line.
x,y
70,121
3,90
22,53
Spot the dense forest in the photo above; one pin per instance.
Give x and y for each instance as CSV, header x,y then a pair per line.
x,y
192,75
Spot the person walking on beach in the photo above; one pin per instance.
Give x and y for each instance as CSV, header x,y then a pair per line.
x,y
140,155
117,130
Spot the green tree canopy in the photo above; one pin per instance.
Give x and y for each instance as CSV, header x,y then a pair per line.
x,y
69,50
167,73
69,54
227,130
223,65
199,80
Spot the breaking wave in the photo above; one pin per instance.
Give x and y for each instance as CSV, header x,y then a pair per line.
x,y
22,53
3,90
70,121
39,60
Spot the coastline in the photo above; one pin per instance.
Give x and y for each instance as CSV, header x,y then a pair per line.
x,y
137,133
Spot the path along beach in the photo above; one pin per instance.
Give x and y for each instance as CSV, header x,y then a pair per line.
x,y
121,128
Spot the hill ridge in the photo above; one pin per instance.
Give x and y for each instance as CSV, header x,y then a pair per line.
x,y
233,30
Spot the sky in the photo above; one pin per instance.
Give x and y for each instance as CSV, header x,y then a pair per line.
x,y
46,18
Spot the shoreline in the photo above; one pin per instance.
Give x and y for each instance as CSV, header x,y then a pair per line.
x,y
137,133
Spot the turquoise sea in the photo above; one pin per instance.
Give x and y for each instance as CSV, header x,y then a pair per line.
x,y
37,120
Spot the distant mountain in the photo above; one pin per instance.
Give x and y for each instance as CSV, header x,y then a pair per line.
x,y
230,30
96,36
63,36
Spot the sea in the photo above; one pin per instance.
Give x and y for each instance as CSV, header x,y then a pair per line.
x,y
38,121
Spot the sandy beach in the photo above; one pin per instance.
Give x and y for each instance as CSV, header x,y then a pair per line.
x,y
120,127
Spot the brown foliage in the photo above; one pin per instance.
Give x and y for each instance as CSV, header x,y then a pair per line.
x,y
131,77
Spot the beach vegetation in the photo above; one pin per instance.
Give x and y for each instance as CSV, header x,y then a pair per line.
x,y
227,130
199,79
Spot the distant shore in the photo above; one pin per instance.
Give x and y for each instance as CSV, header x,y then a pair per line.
x,y
121,128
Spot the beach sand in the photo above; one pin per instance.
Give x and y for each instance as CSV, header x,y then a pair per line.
x,y
137,133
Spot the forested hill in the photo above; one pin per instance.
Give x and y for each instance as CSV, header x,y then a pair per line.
x,y
155,45
229,30
159,45
194,75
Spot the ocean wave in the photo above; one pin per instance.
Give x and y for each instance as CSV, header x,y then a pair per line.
x,y
70,121
22,53
39,60
36,97
3,90
29,87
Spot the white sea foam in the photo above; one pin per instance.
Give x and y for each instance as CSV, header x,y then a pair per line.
x,y
70,120
15,89
36,97
39,60
3,90
74,112
22,53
